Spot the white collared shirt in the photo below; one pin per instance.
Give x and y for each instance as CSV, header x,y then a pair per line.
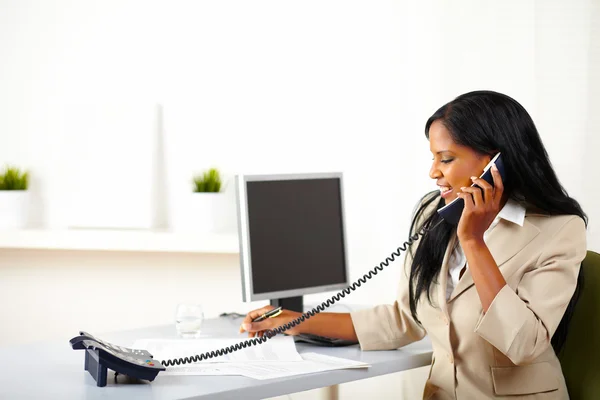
x,y
512,212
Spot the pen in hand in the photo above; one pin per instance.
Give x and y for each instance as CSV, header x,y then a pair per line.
x,y
269,314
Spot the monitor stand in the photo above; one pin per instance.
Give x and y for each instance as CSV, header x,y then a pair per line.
x,y
289,303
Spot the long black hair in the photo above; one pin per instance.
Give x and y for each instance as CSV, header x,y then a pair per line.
x,y
490,122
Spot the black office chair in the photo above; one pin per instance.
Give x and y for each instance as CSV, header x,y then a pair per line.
x,y
580,354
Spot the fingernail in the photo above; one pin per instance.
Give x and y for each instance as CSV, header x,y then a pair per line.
x,y
246,327
473,178
462,188
494,167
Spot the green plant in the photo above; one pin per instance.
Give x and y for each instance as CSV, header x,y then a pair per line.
x,y
13,179
209,181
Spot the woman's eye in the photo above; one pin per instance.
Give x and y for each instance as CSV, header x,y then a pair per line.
x,y
447,161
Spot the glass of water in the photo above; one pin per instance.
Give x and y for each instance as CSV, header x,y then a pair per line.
x,y
188,320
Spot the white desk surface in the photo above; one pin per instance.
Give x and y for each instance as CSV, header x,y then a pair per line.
x,y
54,370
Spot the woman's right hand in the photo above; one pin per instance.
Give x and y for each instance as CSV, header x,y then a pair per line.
x,y
259,328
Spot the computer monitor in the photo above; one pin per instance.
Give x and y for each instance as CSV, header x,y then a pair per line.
x,y
292,236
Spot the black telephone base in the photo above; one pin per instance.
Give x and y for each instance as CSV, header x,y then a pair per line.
x,y
101,355
94,366
98,367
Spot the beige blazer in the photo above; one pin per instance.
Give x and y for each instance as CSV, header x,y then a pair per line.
x,y
506,351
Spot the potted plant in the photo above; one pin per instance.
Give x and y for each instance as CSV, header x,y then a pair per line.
x,y
14,198
206,207
208,182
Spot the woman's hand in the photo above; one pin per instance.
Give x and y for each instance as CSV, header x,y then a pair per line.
x,y
259,328
481,207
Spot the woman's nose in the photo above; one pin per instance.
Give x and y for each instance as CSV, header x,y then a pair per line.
x,y
434,172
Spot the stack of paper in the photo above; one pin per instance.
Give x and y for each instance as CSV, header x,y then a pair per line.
x,y
276,358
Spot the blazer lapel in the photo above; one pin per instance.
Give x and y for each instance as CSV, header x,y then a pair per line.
x,y
504,241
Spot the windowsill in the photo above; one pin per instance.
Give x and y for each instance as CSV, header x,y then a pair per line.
x,y
120,240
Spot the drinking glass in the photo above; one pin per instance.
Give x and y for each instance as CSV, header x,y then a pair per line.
x,y
188,320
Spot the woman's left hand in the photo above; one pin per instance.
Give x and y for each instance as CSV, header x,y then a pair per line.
x,y
481,207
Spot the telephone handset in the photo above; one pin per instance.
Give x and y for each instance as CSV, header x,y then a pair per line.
x,y
101,355
452,211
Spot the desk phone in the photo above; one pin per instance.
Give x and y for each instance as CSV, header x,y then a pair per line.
x,y
100,355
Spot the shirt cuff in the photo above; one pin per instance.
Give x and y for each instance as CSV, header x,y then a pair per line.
x,y
503,320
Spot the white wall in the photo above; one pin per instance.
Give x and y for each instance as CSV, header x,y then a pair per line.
x,y
561,78
268,86
592,128
568,95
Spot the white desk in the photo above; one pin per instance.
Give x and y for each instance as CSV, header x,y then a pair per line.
x,y
54,370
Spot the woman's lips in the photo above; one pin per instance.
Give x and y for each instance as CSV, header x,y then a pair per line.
x,y
445,191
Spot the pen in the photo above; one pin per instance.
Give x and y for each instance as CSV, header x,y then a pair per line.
x,y
269,314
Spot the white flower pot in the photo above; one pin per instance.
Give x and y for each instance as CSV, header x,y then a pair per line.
x,y
14,207
206,211
199,213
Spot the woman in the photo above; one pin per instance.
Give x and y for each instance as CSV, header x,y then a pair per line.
x,y
491,292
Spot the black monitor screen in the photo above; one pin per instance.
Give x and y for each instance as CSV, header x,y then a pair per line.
x,y
296,231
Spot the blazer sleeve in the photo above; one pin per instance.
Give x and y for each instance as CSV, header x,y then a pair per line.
x,y
387,327
521,323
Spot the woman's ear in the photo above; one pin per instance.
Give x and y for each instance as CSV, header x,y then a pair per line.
x,y
485,160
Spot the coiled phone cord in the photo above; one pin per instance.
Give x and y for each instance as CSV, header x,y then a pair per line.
x,y
270,333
